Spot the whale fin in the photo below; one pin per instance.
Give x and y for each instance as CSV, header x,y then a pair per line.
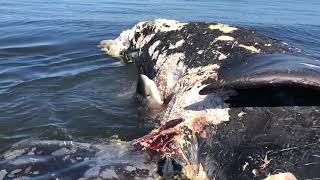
x,y
270,80
148,93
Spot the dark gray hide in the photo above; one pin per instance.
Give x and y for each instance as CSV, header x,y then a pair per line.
x,y
274,110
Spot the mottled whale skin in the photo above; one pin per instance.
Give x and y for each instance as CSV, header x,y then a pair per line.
x,y
236,103
52,159
231,103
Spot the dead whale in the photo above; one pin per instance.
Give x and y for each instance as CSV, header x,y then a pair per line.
x,y
234,103
231,104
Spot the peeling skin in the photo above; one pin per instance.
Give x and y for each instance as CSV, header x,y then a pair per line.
x,y
153,47
3,173
241,115
200,52
182,106
117,46
281,176
250,48
189,172
13,154
224,38
221,56
223,27
130,168
170,70
143,40
178,44
109,174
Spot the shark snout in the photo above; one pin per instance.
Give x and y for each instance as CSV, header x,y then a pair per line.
x,y
148,93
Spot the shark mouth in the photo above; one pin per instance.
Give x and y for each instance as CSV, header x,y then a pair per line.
x,y
234,103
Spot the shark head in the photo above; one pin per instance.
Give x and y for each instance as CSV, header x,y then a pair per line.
x,y
148,93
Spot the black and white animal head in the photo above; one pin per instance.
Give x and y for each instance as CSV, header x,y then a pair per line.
x,y
148,93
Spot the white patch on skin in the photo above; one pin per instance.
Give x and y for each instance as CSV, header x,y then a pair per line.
x,y
92,172
130,168
3,173
143,40
188,104
250,48
221,56
122,154
241,115
161,58
153,47
190,172
32,152
178,44
200,52
155,54
27,170
224,38
223,27
22,161
170,70
15,171
268,45
13,154
164,25
109,174
66,157
117,46
281,176
60,152
174,76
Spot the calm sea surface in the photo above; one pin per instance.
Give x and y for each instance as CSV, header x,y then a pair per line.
x,y
55,83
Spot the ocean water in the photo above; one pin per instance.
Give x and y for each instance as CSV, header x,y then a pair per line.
x,y
55,83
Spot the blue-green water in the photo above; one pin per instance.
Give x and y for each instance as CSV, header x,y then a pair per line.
x,y
55,83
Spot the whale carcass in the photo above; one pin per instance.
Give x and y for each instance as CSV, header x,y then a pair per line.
x,y
231,102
